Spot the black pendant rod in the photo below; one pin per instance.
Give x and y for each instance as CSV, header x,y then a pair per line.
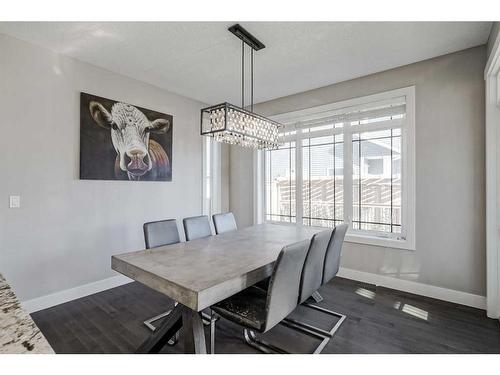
x,y
242,74
246,37
255,45
251,87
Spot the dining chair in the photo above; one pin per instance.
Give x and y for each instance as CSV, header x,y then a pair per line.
x,y
259,310
196,227
332,258
224,223
161,233
321,265
312,273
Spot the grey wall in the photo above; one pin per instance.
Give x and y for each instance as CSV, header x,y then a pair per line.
x,y
241,185
450,174
66,230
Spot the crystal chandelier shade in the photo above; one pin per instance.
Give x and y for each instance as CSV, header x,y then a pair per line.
x,y
234,125
230,124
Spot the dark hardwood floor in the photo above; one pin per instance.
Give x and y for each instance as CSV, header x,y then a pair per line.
x,y
380,320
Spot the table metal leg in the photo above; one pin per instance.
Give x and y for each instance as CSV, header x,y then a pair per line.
x,y
193,333
213,320
192,329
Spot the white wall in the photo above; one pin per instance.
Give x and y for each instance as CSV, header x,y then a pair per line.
x,y
225,165
450,172
492,80
241,185
66,230
495,30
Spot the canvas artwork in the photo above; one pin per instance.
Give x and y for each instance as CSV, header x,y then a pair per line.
x,y
120,141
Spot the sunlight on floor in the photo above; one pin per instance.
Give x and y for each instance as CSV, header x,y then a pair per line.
x,y
365,293
415,311
411,310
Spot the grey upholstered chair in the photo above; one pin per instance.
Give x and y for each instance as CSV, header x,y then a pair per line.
x,y
312,273
332,259
196,227
161,233
323,254
259,310
224,223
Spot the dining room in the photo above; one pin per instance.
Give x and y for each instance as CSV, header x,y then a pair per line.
x,y
201,186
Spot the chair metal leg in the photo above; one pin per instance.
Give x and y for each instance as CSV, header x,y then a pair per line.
x,y
165,331
265,347
317,297
261,345
149,323
310,329
305,328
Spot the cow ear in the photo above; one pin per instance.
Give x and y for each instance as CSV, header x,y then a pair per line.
x,y
159,126
100,115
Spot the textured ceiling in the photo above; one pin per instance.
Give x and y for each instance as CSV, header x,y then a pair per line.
x,y
202,60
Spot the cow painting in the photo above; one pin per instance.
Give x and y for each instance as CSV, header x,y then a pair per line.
x,y
120,141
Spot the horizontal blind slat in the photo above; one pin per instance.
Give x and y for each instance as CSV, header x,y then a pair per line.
x,y
395,107
352,117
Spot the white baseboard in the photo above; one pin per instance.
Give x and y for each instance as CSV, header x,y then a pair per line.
x,y
426,290
450,295
57,298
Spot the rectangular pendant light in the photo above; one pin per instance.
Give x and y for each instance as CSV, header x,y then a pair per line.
x,y
230,124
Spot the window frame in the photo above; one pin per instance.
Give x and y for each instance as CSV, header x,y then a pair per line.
x,y
407,238
211,177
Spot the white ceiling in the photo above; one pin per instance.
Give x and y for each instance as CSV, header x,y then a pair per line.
x,y
202,60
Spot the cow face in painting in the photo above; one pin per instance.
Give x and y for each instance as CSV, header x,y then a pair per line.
x,y
130,130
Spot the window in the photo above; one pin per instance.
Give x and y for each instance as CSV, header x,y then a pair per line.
x,y
280,184
322,192
347,162
376,195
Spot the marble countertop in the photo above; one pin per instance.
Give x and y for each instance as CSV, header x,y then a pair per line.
x,y
18,332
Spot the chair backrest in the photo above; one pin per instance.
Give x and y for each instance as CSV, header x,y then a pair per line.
x,y
161,233
224,222
196,227
332,258
283,290
312,273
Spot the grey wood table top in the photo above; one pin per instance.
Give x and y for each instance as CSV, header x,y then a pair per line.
x,y
202,272
18,332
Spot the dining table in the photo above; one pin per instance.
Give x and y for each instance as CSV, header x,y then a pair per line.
x,y
199,273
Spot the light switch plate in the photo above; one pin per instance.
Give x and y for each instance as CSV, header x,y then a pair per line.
x,y
15,201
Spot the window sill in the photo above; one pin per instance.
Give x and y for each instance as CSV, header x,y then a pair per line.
x,y
366,239
379,241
